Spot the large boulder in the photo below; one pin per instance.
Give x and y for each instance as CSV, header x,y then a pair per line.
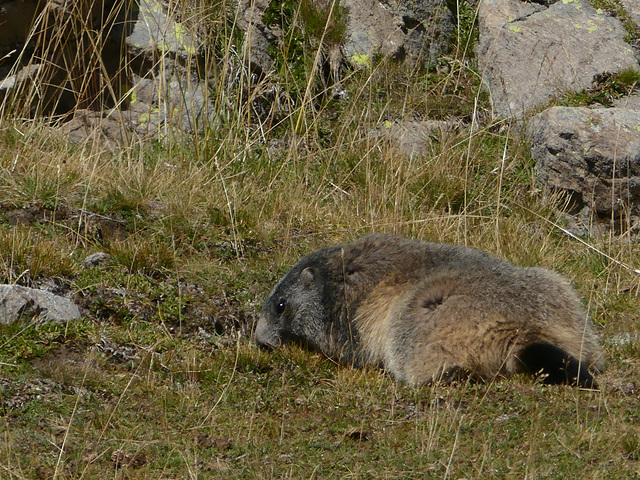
x,y
529,53
594,154
417,32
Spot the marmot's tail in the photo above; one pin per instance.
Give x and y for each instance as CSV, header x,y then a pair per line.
x,y
555,365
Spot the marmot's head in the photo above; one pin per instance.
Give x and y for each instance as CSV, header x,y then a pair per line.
x,y
301,307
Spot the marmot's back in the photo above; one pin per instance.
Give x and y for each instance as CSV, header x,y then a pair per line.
x,y
427,310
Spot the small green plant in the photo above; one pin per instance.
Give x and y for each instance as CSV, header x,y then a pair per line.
x,y
327,23
306,29
631,446
147,256
291,57
465,35
310,21
606,88
27,255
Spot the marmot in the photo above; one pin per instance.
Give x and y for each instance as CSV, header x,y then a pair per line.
x,y
430,311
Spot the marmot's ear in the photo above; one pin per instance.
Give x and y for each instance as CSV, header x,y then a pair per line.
x,y
307,275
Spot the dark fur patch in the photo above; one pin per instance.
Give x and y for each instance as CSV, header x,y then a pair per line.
x,y
555,365
433,300
434,294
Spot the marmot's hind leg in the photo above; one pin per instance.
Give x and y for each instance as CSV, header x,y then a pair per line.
x,y
433,361
555,365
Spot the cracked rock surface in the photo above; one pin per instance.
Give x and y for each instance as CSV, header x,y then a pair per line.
x,y
529,53
593,153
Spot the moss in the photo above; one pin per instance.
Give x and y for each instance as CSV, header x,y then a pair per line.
x,y
616,8
361,59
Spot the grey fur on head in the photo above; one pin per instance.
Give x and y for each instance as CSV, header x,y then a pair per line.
x,y
426,311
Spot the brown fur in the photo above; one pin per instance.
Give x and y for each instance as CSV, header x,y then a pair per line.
x,y
425,311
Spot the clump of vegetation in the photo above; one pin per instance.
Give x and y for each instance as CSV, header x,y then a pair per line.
x,y
465,36
607,87
307,28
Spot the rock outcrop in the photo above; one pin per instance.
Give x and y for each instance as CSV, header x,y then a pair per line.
x,y
594,154
530,53
417,32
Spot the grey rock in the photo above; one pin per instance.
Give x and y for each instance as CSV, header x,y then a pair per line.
x,y
256,35
415,31
592,153
25,74
95,259
429,26
167,95
632,7
155,31
529,53
413,137
103,128
22,79
168,101
632,102
19,303
371,28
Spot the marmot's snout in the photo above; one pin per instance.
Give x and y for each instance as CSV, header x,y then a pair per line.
x,y
264,335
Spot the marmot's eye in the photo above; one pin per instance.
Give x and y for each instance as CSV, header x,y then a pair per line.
x,y
282,304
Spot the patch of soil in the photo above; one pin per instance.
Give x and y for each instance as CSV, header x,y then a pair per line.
x,y
115,304
16,394
200,316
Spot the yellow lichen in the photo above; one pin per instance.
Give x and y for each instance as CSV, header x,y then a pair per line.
x,y
361,59
183,37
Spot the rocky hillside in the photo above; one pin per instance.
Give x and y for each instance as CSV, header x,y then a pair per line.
x,y
119,72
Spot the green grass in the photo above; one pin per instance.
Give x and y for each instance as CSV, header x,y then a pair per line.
x,y
160,378
236,412
606,88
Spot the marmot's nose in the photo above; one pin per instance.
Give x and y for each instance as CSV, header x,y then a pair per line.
x,y
265,335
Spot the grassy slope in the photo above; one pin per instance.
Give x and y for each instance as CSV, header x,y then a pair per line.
x,y
160,380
